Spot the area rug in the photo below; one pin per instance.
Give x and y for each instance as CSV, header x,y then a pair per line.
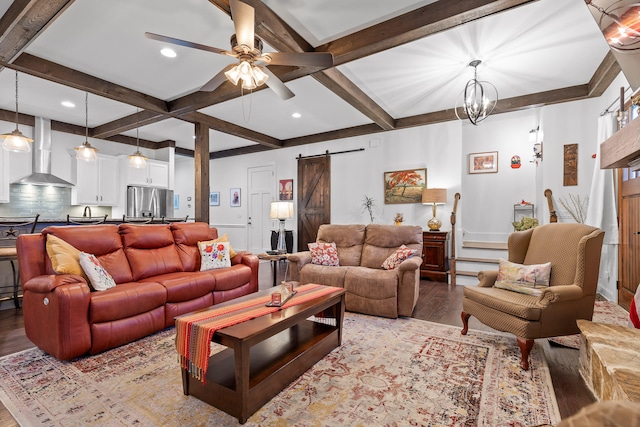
x,y
388,372
603,312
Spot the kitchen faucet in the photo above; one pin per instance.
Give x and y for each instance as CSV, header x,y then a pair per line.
x,y
84,214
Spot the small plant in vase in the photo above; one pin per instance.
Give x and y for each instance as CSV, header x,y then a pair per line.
x,y
398,219
367,206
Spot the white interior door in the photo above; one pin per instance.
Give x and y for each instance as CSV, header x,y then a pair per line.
x,y
261,185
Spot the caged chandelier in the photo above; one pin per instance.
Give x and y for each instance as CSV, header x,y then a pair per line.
x,y
479,97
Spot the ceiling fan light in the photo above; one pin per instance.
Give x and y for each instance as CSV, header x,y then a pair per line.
x,y
233,75
248,83
86,152
137,160
259,76
16,142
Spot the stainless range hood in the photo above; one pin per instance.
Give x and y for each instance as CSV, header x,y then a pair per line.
x,y
41,158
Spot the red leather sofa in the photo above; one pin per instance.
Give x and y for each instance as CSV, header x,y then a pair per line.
x,y
156,270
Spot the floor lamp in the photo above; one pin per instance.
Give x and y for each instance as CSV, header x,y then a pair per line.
x,y
281,211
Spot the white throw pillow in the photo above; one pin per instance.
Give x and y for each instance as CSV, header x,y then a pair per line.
x,y
214,255
99,278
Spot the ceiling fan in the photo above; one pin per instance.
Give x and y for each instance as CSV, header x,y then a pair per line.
x,y
251,69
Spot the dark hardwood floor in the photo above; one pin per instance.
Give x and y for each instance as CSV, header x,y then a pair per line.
x,y
438,302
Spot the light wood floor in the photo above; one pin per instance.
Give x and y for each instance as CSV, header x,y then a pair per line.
x,y
438,302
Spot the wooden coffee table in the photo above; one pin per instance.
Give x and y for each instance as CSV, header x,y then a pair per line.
x,y
267,353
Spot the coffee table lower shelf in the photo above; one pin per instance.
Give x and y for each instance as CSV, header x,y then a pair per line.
x,y
273,364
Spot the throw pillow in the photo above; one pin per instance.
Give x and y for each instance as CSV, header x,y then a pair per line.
x,y
324,254
99,278
396,258
225,238
214,255
64,257
526,279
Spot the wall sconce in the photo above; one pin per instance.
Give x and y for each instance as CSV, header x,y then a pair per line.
x,y
535,137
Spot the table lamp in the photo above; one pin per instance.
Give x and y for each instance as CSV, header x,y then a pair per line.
x,y
281,211
434,196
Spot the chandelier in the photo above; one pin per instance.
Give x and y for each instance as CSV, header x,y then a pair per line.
x,y
479,97
16,141
620,24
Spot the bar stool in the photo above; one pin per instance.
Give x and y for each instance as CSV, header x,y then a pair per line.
x,y
86,220
10,229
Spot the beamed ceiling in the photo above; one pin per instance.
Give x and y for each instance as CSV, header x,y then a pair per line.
x,y
397,65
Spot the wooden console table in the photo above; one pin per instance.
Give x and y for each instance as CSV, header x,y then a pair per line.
x,y
435,256
267,353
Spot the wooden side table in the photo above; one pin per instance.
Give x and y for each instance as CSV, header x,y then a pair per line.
x,y
435,256
275,260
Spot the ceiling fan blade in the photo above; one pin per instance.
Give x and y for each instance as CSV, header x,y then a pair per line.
x,y
217,80
308,59
185,43
277,85
244,18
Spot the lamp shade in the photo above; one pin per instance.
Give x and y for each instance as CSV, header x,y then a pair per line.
x,y
434,195
281,210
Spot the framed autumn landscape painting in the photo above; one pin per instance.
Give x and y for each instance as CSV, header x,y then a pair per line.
x,y
404,186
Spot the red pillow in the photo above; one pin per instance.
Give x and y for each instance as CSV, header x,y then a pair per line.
x,y
634,310
324,254
396,258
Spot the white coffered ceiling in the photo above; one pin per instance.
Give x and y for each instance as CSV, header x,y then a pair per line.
x,y
541,46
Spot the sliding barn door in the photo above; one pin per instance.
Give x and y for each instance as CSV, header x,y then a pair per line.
x,y
629,255
314,198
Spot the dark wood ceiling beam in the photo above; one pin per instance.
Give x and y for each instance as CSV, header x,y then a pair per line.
x,y
606,73
332,135
339,84
144,143
141,118
44,69
232,129
22,23
427,20
250,149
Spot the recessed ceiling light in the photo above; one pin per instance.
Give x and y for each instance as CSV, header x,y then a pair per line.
x,y
169,53
68,104
296,115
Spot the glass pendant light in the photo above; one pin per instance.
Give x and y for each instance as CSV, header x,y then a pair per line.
x,y
16,141
85,151
137,160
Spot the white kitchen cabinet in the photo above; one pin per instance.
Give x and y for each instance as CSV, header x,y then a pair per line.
x,y
96,182
4,176
155,174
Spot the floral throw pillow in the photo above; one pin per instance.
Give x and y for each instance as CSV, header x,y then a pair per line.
x,y
396,258
525,279
214,255
324,254
99,278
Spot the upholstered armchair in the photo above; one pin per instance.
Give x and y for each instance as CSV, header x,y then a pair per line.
x,y
574,253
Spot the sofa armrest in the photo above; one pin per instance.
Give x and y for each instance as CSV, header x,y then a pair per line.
x,y
560,293
410,264
252,261
487,278
296,262
408,273
44,284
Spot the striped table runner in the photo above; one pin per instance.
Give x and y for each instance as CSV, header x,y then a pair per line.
x,y
194,331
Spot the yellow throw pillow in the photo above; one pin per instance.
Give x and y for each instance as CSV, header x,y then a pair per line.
x,y
225,238
64,257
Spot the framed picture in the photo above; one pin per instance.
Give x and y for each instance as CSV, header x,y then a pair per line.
x,y
286,189
214,198
486,162
176,202
234,197
404,186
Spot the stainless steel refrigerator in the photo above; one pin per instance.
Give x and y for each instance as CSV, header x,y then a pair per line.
x,y
149,202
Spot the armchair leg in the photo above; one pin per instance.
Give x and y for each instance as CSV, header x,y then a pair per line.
x,y
525,348
465,322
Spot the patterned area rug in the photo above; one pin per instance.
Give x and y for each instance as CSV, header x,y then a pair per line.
x,y
387,372
603,312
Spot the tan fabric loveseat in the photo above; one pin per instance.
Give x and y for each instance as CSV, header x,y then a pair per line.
x,y
361,251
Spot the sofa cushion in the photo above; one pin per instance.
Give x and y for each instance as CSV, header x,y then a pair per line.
x,y
382,240
348,238
184,287
102,240
126,300
99,278
231,278
150,250
186,236
323,275
324,254
372,291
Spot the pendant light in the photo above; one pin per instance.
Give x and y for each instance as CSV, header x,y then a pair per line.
x,y
137,160
16,141
479,98
85,151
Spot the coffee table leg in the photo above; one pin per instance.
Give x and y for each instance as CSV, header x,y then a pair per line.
x,y
242,358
